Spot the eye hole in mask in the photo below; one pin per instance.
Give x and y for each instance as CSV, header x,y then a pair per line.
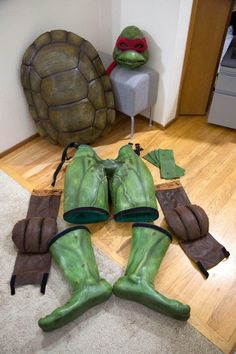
x,y
139,46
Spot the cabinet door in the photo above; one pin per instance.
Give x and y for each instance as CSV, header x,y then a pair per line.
x,y
208,26
222,111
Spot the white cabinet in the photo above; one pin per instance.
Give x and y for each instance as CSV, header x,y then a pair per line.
x,y
223,106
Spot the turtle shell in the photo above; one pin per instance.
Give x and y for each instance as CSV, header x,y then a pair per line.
x,y
68,92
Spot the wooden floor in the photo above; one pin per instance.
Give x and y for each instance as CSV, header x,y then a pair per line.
x,y
208,153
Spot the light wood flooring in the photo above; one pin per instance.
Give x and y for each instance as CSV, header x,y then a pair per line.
x,y
208,153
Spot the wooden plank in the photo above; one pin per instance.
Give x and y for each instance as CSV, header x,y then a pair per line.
x,y
208,153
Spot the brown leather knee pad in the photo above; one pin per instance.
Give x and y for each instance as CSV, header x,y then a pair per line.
x,y
31,236
190,224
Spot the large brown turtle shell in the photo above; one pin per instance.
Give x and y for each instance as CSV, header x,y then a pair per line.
x,y
68,92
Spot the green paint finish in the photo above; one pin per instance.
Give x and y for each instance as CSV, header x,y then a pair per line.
x,y
132,187
128,179
74,255
85,186
131,58
63,89
71,117
149,246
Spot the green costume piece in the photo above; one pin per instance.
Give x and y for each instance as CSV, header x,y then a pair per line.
x,y
164,160
72,251
131,48
127,180
149,245
69,95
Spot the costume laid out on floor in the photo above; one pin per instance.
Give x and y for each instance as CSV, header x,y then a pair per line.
x,y
70,98
131,49
90,184
89,181
31,236
190,224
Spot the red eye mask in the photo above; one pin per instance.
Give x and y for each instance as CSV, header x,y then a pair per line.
x,y
139,45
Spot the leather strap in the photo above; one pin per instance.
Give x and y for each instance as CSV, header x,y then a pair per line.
x,y
64,157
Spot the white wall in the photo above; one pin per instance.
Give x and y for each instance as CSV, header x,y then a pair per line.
x,y
165,24
21,21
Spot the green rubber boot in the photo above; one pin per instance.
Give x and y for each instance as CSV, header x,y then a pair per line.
x,y
72,251
149,245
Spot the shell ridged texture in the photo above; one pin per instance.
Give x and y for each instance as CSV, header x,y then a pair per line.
x,y
69,95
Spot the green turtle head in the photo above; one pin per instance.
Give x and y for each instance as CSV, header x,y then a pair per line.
x,y
131,48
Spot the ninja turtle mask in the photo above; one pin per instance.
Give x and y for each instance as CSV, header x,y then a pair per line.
x,y
131,48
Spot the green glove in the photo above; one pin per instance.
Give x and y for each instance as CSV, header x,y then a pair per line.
x,y
164,160
72,251
169,169
149,245
153,157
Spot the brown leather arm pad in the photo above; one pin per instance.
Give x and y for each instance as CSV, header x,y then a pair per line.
x,y
31,237
190,224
